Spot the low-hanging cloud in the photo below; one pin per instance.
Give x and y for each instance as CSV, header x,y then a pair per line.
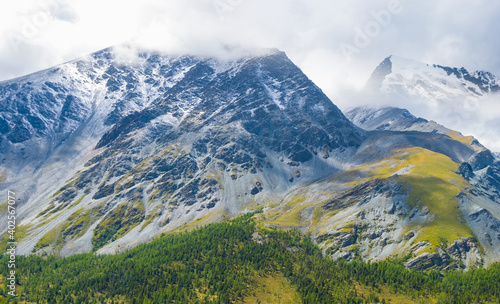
x,y
37,34
445,32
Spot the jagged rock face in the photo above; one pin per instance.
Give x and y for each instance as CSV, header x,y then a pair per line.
x,y
485,81
486,179
463,253
169,140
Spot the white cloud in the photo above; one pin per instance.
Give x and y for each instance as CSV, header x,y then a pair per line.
x,y
445,32
36,34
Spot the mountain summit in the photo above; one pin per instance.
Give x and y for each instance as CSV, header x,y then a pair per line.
x,y
161,143
460,99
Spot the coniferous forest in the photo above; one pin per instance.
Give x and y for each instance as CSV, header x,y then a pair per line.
x,y
227,262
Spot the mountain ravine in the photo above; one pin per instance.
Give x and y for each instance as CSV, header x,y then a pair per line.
x,y
106,155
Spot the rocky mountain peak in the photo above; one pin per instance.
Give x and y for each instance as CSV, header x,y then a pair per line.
x,y
378,75
169,138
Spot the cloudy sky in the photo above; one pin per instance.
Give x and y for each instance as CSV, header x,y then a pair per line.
x,y
321,36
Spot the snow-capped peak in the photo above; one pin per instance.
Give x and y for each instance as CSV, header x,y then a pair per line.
x,y
410,78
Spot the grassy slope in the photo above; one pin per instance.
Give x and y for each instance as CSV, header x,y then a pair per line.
x,y
432,180
290,214
434,183
468,140
272,289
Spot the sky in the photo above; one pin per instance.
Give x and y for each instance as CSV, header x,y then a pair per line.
x,y
336,43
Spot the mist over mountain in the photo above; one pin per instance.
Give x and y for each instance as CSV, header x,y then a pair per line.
x,y
460,99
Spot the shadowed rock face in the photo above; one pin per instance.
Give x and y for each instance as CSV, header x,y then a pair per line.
x,y
269,97
482,160
378,75
236,120
466,171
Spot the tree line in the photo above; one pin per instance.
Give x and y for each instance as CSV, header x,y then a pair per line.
x,y
219,263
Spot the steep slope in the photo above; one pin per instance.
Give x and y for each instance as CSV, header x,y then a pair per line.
x,y
59,114
219,136
475,185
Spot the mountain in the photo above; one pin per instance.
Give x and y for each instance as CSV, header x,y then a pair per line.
x,y
392,119
396,119
160,144
105,155
59,114
403,77
479,203
460,99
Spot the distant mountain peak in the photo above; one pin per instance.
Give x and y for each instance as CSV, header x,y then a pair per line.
x,y
379,74
400,76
